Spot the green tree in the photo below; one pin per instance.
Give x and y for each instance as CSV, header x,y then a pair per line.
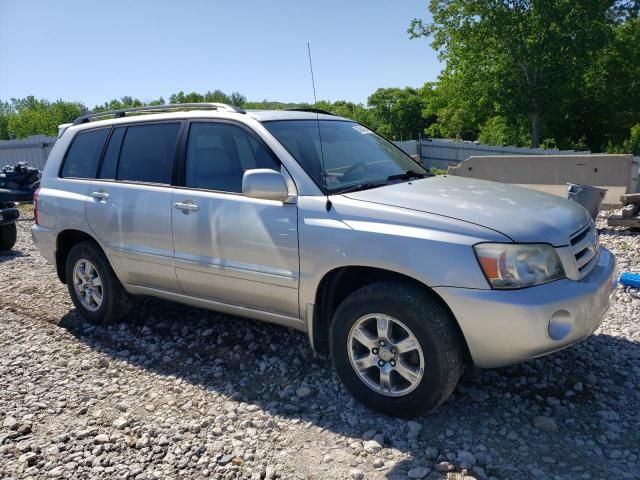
x,y
237,99
398,112
612,88
5,110
498,131
525,56
30,116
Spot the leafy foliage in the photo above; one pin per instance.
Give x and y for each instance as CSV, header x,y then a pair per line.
x,y
403,111
557,67
29,116
399,112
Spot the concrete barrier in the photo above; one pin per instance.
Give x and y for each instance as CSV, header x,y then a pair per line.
x,y
552,173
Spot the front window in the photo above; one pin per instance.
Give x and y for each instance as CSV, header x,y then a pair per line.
x,y
350,157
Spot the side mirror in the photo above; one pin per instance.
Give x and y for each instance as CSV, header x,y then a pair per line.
x,y
266,184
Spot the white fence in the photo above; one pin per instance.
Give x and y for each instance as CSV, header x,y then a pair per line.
x,y
34,150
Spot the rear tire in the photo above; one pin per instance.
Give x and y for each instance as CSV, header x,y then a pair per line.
x,y
413,356
8,236
94,288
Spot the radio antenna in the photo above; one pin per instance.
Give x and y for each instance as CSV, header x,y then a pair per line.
x,y
315,106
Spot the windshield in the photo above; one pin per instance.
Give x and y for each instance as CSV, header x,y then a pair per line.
x,y
354,156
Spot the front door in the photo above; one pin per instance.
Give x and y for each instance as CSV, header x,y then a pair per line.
x,y
230,248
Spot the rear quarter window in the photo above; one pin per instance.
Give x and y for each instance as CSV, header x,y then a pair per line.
x,y
83,156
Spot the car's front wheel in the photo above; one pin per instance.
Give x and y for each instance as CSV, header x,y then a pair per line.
x,y
396,348
94,288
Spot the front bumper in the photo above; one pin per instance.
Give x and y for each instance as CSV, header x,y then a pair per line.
x,y
504,327
8,215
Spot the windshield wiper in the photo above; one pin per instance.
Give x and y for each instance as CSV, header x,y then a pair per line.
x,y
408,175
358,187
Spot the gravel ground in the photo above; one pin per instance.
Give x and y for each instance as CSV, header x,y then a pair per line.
x,y
177,392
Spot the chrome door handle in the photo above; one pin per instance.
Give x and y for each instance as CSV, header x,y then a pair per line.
x,y
100,195
186,207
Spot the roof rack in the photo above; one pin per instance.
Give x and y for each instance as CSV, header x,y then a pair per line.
x,y
158,108
310,110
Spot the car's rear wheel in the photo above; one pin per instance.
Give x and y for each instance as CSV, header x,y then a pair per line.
x,y
396,348
8,236
94,288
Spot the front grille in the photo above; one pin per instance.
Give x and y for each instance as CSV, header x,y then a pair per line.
x,y
585,244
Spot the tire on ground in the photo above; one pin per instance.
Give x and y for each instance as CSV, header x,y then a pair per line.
x,y
430,322
116,302
8,236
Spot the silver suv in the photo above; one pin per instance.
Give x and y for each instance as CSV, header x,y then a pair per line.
x,y
314,222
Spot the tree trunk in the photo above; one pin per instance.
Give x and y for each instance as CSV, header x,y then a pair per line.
x,y
535,124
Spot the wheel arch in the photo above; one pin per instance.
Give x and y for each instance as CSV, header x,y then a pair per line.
x,y
337,284
65,241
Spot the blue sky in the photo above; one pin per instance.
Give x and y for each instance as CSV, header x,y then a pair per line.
x,y
92,51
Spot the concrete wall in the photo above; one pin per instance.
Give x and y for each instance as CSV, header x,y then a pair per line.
x,y
634,185
551,173
441,152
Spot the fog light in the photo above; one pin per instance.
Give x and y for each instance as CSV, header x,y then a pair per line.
x,y
560,325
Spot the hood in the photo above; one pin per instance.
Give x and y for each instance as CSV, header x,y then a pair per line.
x,y
522,214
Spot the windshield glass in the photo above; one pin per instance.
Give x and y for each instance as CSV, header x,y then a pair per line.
x,y
353,154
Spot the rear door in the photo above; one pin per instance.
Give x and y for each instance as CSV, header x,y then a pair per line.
x,y
68,193
230,248
130,203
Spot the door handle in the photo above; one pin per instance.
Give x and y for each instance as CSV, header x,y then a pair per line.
x,y
100,195
186,207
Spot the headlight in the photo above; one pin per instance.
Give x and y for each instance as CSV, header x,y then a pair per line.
x,y
508,265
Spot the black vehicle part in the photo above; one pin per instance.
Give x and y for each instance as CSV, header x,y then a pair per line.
x,y
18,182
8,236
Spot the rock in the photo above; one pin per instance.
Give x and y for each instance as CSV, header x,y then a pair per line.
x,y
303,392
56,472
24,429
431,453
466,460
478,395
356,474
444,467
29,458
270,472
368,435
414,429
142,442
418,472
103,363
101,439
226,459
414,426
372,446
10,423
378,463
545,424
121,423
81,434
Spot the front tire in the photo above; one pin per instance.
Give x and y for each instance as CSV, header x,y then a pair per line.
x,y
93,286
8,236
396,348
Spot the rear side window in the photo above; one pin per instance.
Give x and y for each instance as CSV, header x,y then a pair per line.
x,y
110,160
84,154
147,153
